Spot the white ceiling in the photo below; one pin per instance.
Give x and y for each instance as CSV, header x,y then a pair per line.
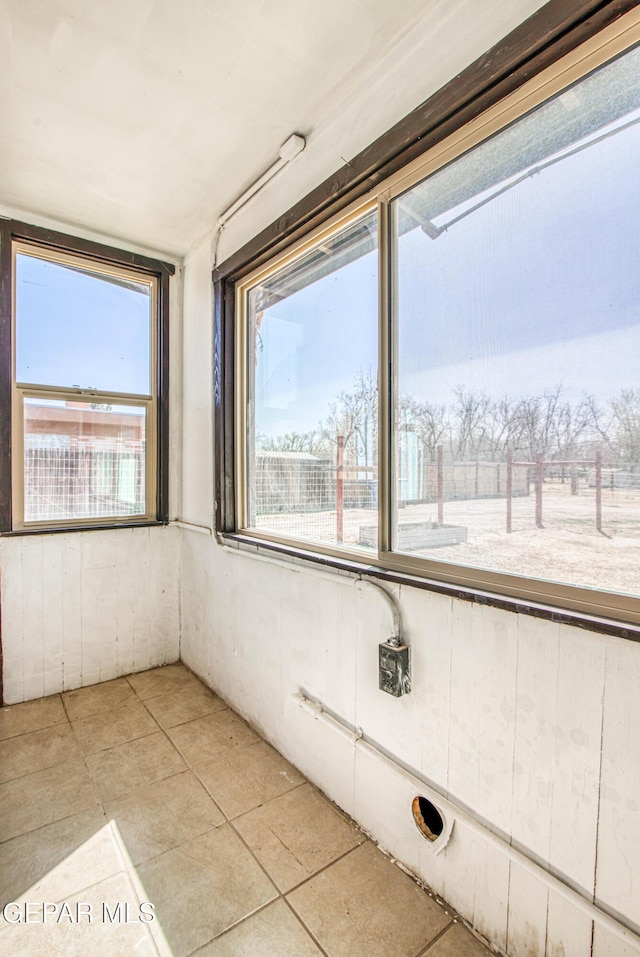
x,y
143,119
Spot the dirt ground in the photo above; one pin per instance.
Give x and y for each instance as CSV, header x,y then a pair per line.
x,y
568,548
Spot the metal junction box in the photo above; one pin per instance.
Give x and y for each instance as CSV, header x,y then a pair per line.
x,y
393,667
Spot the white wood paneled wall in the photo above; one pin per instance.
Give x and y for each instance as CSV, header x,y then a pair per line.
x,y
84,607
531,725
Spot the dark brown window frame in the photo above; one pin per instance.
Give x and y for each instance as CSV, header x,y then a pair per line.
x,y
13,230
556,29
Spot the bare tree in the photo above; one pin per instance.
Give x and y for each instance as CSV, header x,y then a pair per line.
x,y
354,415
476,426
291,442
552,426
573,429
428,420
625,427
470,416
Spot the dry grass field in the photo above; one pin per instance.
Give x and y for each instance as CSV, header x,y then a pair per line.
x,y
568,548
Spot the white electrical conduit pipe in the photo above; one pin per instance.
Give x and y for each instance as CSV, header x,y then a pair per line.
x,y
292,564
192,526
453,812
339,576
288,151
362,583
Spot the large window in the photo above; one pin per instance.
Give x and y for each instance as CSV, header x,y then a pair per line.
x,y
88,336
516,345
443,379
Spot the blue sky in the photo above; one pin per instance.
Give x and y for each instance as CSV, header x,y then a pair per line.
x,y
538,288
76,329
313,345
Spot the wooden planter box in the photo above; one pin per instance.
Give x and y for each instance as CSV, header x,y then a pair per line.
x,y
417,535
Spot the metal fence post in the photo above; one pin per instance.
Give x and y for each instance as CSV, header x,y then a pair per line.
x,y
340,489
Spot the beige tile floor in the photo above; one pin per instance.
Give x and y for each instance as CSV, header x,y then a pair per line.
x,y
149,789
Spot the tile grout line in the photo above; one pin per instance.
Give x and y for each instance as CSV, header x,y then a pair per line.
x,y
181,724
129,741
231,823
228,821
187,767
438,937
326,867
254,913
56,820
236,817
281,895
105,711
308,930
45,727
46,767
110,747
84,760
130,869
65,817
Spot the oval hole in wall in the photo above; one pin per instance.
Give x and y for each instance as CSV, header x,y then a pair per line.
x,y
427,817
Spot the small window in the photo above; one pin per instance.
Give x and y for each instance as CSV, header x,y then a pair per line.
x,y
85,405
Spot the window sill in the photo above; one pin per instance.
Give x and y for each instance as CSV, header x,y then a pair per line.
x,y
299,556
66,529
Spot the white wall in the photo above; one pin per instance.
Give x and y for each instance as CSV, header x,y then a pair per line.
x,y
529,724
507,717
452,34
84,607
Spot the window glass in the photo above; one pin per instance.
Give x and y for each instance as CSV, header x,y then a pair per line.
x,y
312,446
516,346
80,328
85,422
83,460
